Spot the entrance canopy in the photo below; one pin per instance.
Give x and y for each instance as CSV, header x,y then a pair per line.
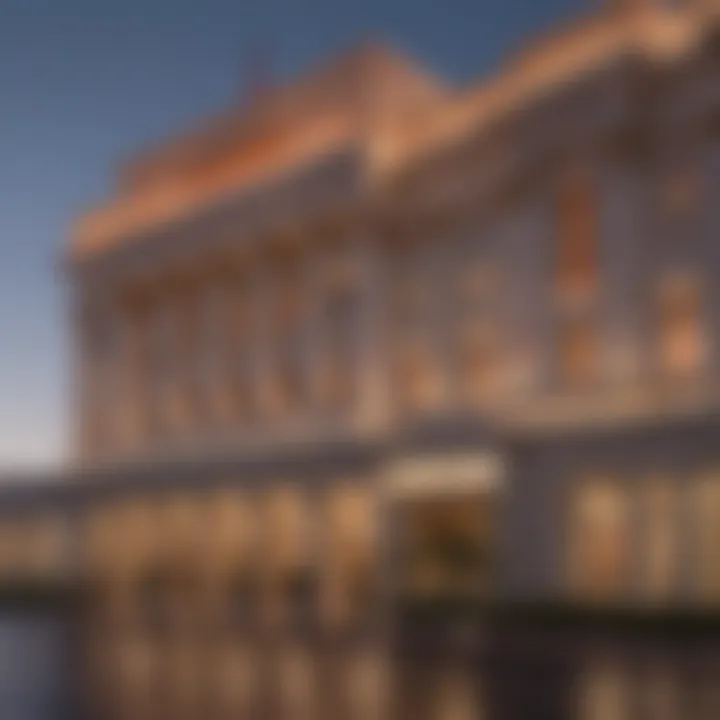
x,y
446,474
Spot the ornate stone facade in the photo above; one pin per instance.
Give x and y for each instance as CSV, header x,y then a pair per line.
x,y
371,337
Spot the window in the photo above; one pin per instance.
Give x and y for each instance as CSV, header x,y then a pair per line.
x,y
237,681
577,234
366,686
659,504
213,351
706,536
682,339
475,360
599,541
475,327
288,339
659,694
297,686
457,696
415,377
342,326
604,692
350,555
579,351
291,567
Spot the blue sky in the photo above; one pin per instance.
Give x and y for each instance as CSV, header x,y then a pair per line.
x,y
85,82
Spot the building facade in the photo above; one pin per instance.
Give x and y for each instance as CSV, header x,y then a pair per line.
x,y
370,338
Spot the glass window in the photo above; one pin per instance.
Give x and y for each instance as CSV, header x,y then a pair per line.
x,y
350,552
599,541
297,689
457,696
659,693
659,513
682,336
706,528
474,327
342,326
414,372
367,686
579,351
577,234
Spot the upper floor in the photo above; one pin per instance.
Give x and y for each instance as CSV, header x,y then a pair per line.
x,y
539,248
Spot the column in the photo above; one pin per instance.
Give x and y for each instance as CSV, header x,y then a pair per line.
x,y
132,385
315,357
89,381
374,391
262,364
215,348
186,368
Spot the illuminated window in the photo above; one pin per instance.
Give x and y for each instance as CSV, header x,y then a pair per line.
x,y
416,382
457,697
342,327
476,354
604,693
579,351
474,328
236,681
291,565
659,503
577,234
599,541
350,556
706,536
415,377
682,336
366,686
297,688
658,692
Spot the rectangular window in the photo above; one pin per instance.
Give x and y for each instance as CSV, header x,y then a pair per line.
x,y
659,505
577,235
475,367
475,328
342,326
414,372
682,338
599,540
579,351
706,537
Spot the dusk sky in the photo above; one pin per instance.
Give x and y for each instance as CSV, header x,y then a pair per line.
x,y
83,83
